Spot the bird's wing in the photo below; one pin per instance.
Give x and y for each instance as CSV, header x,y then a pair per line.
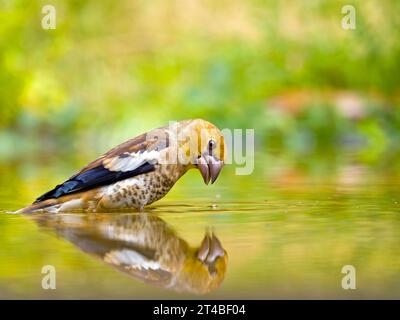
x,y
133,262
115,240
129,159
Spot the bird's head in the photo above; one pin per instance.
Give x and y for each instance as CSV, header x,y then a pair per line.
x,y
205,268
202,145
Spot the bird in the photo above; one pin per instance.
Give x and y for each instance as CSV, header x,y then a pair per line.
x,y
139,171
145,247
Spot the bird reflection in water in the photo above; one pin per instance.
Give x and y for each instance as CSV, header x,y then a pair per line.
x,y
145,247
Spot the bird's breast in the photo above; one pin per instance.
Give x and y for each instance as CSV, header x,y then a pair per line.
x,y
141,190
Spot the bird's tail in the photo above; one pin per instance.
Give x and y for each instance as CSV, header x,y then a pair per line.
x,y
76,201
39,206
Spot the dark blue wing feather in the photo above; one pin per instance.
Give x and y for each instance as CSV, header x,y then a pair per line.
x,y
93,178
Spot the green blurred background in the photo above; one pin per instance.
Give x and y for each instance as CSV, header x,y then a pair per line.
x,y
324,103
113,69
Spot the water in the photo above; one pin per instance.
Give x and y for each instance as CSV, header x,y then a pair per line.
x,y
287,231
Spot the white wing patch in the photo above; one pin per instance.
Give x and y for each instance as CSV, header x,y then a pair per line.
x,y
115,233
131,161
130,258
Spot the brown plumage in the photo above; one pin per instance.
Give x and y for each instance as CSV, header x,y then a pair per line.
x,y
139,171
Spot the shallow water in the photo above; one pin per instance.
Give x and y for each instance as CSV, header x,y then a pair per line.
x,y
287,231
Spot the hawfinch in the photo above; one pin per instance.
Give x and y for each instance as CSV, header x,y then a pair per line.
x,y
139,171
144,247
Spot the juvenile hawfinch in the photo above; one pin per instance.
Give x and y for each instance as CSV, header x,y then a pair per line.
x,y
139,171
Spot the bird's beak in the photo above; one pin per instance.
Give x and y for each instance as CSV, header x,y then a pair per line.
x,y
209,167
210,249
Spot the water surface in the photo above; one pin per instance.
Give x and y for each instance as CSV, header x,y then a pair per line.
x,y
286,232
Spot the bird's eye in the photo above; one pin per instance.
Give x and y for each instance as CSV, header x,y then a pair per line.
x,y
211,146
